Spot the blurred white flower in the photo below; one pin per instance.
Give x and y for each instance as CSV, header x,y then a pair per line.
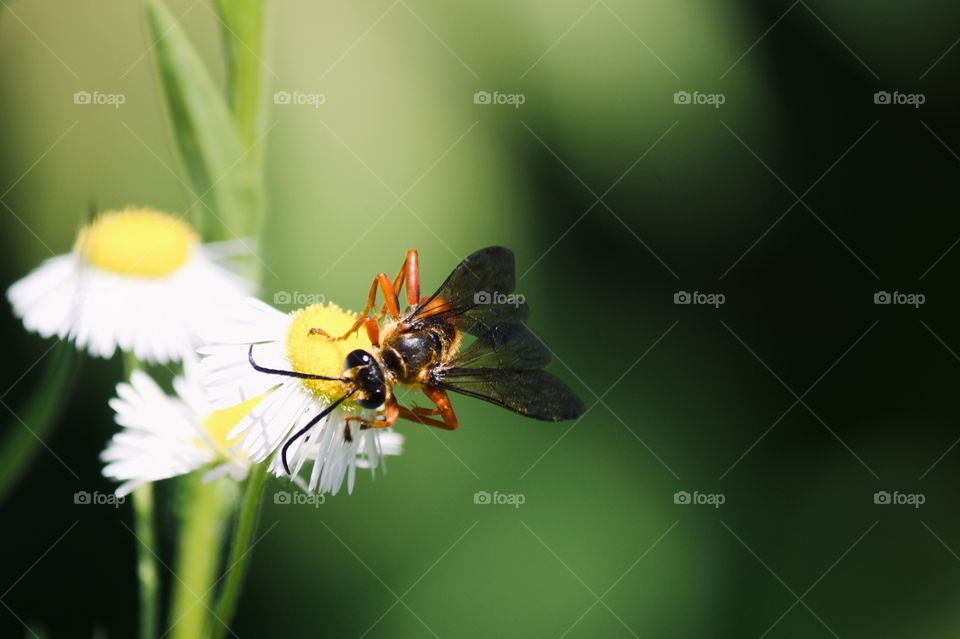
x,y
138,280
164,436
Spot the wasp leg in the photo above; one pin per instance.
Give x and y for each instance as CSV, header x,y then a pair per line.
x,y
412,267
390,303
409,275
391,411
424,415
373,331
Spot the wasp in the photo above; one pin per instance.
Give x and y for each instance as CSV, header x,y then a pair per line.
x,y
425,346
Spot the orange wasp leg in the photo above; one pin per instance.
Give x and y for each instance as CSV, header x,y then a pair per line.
x,y
391,411
373,331
390,303
409,275
424,415
412,268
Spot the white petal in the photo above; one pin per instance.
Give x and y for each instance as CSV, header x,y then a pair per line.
x,y
159,319
161,436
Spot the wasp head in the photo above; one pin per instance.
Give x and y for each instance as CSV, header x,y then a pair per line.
x,y
364,372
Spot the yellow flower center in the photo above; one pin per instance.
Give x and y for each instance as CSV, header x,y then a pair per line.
x,y
137,241
316,354
220,422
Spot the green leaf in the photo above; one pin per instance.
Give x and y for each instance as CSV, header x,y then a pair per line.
x,y
242,33
35,420
222,173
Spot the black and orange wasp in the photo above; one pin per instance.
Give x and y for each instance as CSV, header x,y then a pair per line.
x,y
424,347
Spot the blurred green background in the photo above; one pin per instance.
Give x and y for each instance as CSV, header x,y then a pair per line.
x,y
614,198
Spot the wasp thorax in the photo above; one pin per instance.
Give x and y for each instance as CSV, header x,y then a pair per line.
x,y
366,375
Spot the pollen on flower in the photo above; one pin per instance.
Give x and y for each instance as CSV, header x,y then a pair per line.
x,y
220,422
137,241
318,355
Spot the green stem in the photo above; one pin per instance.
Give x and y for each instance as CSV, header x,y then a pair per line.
x,y
203,517
143,524
238,561
243,36
146,560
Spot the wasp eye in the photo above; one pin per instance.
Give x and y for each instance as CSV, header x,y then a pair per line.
x,y
357,358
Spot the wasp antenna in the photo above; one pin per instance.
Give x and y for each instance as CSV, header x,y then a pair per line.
x,y
313,422
275,371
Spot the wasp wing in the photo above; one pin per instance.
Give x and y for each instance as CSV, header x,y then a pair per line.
x,y
503,365
477,296
505,347
534,393
506,371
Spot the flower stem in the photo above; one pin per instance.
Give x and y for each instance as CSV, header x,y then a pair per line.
x,y
238,561
143,524
146,560
203,515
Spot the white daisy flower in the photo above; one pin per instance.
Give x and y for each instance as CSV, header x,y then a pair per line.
x,y
165,436
335,459
138,280
314,409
